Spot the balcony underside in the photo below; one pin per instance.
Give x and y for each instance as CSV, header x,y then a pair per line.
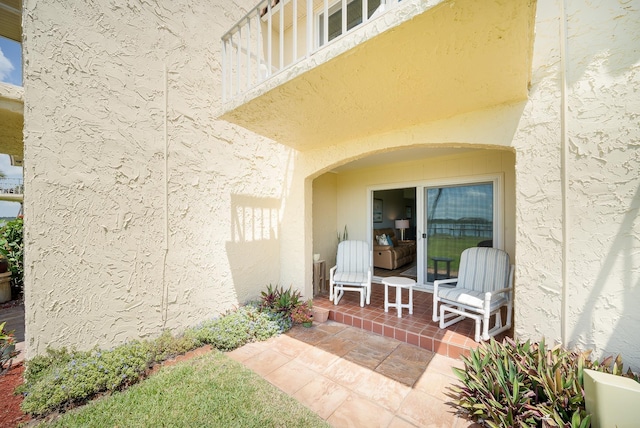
x,y
416,64
11,120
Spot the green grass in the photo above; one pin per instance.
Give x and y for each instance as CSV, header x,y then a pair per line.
x,y
209,391
448,246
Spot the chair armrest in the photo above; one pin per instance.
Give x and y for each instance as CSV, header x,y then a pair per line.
x,y
332,271
440,282
382,247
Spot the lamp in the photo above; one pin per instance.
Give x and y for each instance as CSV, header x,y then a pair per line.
x,y
402,225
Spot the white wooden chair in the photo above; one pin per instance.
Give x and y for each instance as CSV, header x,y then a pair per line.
x,y
352,271
484,285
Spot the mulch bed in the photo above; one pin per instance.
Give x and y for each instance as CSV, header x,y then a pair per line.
x,y
10,413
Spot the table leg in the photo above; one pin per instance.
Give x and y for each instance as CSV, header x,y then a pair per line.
x,y
386,298
399,301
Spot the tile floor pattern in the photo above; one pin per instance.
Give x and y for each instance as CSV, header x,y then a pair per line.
x,y
417,329
354,378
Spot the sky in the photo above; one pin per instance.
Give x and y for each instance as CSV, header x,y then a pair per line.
x,y
10,72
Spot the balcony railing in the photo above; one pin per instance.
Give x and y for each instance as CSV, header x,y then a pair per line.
x,y
276,34
11,186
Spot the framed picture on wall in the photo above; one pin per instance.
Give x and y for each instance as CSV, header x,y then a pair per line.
x,y
407,212
377,210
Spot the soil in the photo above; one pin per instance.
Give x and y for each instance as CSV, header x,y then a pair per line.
x,y
10,413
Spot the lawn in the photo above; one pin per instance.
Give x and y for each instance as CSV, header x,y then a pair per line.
x,y
449,246
208,391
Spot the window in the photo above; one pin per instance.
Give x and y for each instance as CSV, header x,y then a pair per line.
x,y
354,18
457,217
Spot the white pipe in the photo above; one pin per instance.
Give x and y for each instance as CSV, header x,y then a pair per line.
x,y
564,156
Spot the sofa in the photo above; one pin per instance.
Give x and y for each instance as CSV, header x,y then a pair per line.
x,y
392,256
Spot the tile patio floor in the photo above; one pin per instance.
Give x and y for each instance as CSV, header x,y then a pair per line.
x,y
417,329
354,378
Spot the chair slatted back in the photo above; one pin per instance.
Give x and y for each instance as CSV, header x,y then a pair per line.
x,y
483,269
353,256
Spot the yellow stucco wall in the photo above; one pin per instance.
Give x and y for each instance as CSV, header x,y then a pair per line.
x,y
144,212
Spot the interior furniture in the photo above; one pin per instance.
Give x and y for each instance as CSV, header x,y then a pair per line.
x,y
483,287
399,283
446,260
394,255
401,225
352,272
319,276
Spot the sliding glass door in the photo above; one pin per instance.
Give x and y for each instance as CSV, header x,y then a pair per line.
x,y
456,217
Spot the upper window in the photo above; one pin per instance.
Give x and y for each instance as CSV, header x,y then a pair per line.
x,y
354,18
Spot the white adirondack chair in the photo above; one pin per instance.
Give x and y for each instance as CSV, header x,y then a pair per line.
x,y
352,271
484,285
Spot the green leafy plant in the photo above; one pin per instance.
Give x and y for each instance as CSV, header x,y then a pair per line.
x,y
277,299
247,324
302,313
62,378
7,349
526,384
344,236
12,247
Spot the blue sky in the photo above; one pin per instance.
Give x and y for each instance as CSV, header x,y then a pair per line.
x,y
10,72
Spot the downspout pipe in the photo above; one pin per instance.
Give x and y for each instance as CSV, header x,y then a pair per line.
x,y
564,156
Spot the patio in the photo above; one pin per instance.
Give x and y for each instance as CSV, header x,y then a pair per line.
x,y
417,329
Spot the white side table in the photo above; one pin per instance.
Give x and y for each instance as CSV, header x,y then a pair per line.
x,y
399,283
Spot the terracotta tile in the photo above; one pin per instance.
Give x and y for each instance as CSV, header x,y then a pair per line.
x,y
377,328
339,317
457,351
385,391
322,395
357,322
401,335
367,325
436,384
346,373
426,343
247,351
440,348
413,339
266,362
389,331
289,346
400,370
316,359
397,422
427,411
336,345
359,412
283,379
348,320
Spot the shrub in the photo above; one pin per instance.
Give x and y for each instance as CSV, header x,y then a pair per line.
x,y
167,346
245,325
524,384
12,247
63,378
277,299
7,349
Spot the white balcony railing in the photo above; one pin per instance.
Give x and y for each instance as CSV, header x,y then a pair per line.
x,y
276,34
11,186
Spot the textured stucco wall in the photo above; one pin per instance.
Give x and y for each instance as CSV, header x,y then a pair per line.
x,y
142,211
578,177
603,164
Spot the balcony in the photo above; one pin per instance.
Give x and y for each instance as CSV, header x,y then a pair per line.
x,y
12,122
11,189
383,66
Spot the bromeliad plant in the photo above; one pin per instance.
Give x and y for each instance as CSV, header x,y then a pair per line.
x,y
525,384
7,349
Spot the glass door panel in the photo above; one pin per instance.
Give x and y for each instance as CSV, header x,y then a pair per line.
x,y
457,217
